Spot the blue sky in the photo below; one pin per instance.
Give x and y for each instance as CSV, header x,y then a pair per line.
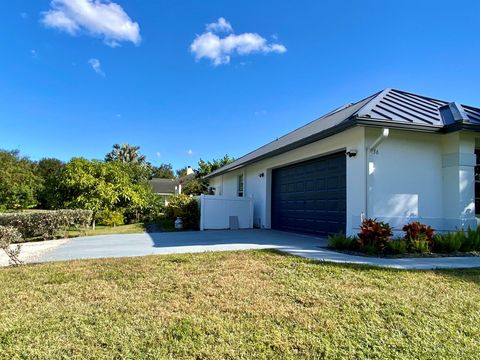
x,y
73,83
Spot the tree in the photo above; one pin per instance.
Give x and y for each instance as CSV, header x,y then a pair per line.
x,y
207,167
105,186
49,169
126,153
163,171
181,172
19,184
198,185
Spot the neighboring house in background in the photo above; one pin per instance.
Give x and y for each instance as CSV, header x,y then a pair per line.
x,y
184,179
169,187
394,156
164,188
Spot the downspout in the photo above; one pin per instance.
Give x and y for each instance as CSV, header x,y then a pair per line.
x,y
371,150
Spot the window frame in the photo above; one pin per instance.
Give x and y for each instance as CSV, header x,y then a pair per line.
x,y
477,182
241,185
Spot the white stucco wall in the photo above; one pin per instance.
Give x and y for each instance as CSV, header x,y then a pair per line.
x,y
424,177
411,176
215,212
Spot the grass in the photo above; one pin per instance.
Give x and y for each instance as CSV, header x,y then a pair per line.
x,y
107,230
253,304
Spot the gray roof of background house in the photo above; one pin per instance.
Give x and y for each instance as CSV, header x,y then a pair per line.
x,y
163,186
388,108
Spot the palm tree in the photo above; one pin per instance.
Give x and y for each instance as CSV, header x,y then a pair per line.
x,y
126,153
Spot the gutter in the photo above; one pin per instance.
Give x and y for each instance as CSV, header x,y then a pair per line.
x,y
352,121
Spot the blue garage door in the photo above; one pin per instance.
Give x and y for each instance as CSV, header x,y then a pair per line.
x,y
311,196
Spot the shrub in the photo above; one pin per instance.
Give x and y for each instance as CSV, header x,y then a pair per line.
x,y
340,242
155,209
109,218
185,208
398,246
471,241
418,231
46,224
448,243
373,235
419,246
9,235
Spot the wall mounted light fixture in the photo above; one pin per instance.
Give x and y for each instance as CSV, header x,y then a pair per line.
x,y
351,153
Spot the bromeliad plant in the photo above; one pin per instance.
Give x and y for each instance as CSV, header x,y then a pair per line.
x,y
374,235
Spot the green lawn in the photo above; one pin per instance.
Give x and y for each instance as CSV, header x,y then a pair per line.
x,y
107,230
253,304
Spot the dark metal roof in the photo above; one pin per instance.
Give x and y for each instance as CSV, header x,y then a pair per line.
x,y
163,186
390,108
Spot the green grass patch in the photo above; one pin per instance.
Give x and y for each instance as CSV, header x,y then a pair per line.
x,y
109,230
252,304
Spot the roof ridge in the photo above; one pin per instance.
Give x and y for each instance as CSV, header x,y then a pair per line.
x,y
365,109
421,96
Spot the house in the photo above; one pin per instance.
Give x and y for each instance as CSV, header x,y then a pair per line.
x,y
394,156
169,187
164,188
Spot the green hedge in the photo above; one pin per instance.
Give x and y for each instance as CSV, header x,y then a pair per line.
x,y
109,218
46,224
186,208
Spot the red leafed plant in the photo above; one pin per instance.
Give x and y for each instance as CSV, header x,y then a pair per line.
x,y
374,234
418,231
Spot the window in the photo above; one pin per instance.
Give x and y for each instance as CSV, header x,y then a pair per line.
x,y
477,183
240,185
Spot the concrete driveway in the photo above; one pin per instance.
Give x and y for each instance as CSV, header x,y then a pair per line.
x,y
177,242
223,240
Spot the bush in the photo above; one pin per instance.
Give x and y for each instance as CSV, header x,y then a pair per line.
x,y
155,209
471,241
9,235
448,243
373,235
398,246
340,242
109,218
185,208
46,224
418,231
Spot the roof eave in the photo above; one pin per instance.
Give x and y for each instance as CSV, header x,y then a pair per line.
x,y
371,122
302,142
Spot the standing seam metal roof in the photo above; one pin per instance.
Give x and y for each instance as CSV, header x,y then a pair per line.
x,y
389,107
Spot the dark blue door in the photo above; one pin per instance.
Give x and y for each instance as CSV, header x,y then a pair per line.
x,y
311,196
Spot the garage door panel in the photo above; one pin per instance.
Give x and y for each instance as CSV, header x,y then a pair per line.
x,y
310,196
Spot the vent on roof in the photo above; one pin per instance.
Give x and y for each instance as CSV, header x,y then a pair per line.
x,y
453,112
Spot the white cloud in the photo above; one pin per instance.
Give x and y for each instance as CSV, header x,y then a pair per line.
x,y
34,53
158,153
221,25
96,66
100,18
189,152
219,50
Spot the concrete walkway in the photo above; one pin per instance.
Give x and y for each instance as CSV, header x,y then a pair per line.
x,y
190,242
